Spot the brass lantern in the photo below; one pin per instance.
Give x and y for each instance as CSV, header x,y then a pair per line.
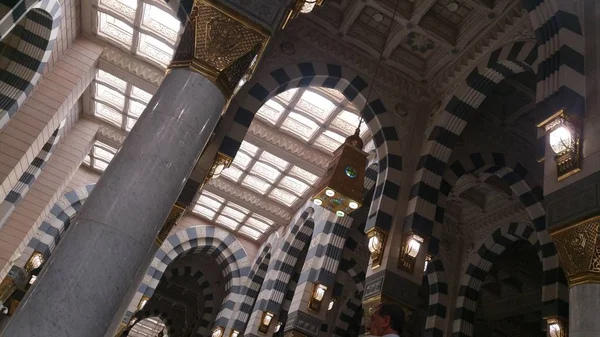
x,y
564,135
341,189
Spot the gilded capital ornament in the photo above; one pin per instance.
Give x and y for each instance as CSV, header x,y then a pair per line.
x,y
220,44
174,216
579,251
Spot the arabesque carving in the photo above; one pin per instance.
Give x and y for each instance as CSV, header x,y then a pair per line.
x,y
579,251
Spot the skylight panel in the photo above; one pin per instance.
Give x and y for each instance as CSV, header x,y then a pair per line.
x,y
110,96
123,7
233,213
210,202
273,160
112,80
304,175
257,224
250,232
283,197
140,94
241,160
248,148
294,185
300,126
256,184
102,153
115,29
330,140
205,212
108,114
346,122
100,165
271,111
161,22
227,222
155,50
136,108
265,171
286,96
315,105
232,173
130,123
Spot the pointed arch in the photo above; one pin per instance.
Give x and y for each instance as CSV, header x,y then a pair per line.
x,y
352,86
216,242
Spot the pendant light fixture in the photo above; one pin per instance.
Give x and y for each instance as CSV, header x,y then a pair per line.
x,y
341,189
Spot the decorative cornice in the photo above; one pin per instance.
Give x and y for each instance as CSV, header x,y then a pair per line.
x,y
288,144
360,60
252,198
512,211
133,65
112,134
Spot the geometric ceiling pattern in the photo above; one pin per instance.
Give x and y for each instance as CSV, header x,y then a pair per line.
x,y
319,118
149,327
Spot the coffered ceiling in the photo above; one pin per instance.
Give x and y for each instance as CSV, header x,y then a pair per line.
x,y
425,35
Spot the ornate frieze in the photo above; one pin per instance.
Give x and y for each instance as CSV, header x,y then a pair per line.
x,y
220,44
133,65
579,250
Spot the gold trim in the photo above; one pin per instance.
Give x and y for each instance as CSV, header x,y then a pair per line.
x,y
221,44
578,247
551,118
174,215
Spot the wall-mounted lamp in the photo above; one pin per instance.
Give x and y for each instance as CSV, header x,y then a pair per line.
x,y
278,327
301,6
427,260
408,254
133,321
221,162
265,322
376,245
143,302
234,333
316,298
34,262
564,135
556,327
331,304
217,332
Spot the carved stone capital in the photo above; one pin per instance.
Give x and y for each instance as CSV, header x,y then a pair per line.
x,y
220,44
579,250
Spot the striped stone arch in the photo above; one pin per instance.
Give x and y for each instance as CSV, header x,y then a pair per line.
x,y
281,268
354,303
254,282
213,241
208,314
353,87
163,316
509,60
51,230
480,264
435,325
523,187
34,26
560,70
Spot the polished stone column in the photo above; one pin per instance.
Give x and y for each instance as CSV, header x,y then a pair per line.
x,y
579,251
94,266
99,262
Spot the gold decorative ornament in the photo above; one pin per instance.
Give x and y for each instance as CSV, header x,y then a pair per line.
x,y
300,6
376,245
557,327
217,332
411,245
316,298
221,162
265,322
34,262
564,135
579,250
220,44
174,215
143,302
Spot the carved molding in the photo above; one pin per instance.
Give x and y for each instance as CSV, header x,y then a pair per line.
x,y
251,198
289,144
133,65
579,251
112,134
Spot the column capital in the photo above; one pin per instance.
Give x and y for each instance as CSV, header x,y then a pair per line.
x,y
578,248
220,44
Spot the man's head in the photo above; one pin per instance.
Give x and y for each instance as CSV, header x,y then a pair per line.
x,y
387,319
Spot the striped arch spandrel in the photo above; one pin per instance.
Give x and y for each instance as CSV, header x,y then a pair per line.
x,y
27,36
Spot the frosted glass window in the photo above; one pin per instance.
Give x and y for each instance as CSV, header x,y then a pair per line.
x,y
155,50
161,22
115,29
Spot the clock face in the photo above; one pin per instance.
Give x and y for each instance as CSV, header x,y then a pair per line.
x,y
350,172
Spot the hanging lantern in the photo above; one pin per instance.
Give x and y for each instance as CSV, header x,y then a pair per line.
x,y
341,189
